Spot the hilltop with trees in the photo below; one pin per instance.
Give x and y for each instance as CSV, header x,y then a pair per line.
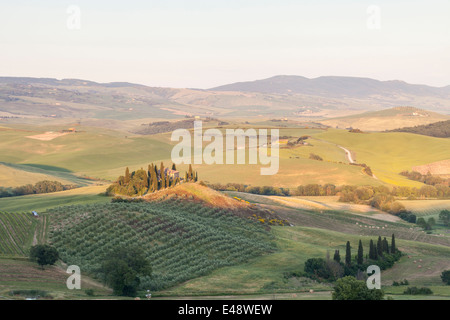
x,y
380,253
141,182
439,129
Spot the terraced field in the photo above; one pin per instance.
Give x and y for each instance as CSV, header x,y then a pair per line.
x,y
423,208
182,240
17,231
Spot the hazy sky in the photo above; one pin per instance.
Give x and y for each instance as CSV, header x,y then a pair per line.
x,y
203,44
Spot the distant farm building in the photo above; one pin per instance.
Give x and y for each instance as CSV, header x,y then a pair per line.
x,y
35,214
174,174
69,130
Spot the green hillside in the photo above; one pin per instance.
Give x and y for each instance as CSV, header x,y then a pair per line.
x,y
42,202
86,152
390,153
16,232
181,240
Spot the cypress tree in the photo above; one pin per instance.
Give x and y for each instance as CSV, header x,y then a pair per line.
x,y
190,173
174,167
348,254
337,256
163,176
379,247
196,176
393,248
360,258
127,176
149,174
371,250
375,252
145,178
385,245
153,186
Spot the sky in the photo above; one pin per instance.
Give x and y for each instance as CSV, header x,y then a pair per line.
x,y
203,44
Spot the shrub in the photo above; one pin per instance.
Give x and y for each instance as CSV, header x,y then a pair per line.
x,y
418,291
315,157
317,268
44,254
349,288
445,276
89,292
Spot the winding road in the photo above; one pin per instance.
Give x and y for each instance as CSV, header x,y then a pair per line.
x,y
348,153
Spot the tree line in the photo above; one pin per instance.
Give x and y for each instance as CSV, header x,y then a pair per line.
x,y
140,182
439,129
427,179
380,253
347,193
38,188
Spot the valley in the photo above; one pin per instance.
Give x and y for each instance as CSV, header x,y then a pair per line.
x,y
248,242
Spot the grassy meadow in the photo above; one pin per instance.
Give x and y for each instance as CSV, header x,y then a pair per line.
x,y
319,224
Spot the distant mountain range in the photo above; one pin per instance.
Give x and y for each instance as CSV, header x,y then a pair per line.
x,y
279,96
334,87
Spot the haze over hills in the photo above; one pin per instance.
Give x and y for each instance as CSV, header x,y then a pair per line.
x,y
280,96
387,119
334,86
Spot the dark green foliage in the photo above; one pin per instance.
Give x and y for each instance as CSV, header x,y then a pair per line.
x,y
407,216
372,251
444,217
44,254
317,268
426,225
182,240
337,256
360,257
321,269
439,129
393,247
445,276
39,188
31,293
401,283
349,288
379,247
348,254
89,292
123,268
385,245
418,291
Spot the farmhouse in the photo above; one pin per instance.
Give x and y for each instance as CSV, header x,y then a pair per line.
x,y
174,174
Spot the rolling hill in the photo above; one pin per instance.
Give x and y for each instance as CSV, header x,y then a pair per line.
x,y
280,96
334,87
439,129
388,119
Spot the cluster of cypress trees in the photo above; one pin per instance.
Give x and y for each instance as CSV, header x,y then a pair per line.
x,y
331,270
140,182
376,251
